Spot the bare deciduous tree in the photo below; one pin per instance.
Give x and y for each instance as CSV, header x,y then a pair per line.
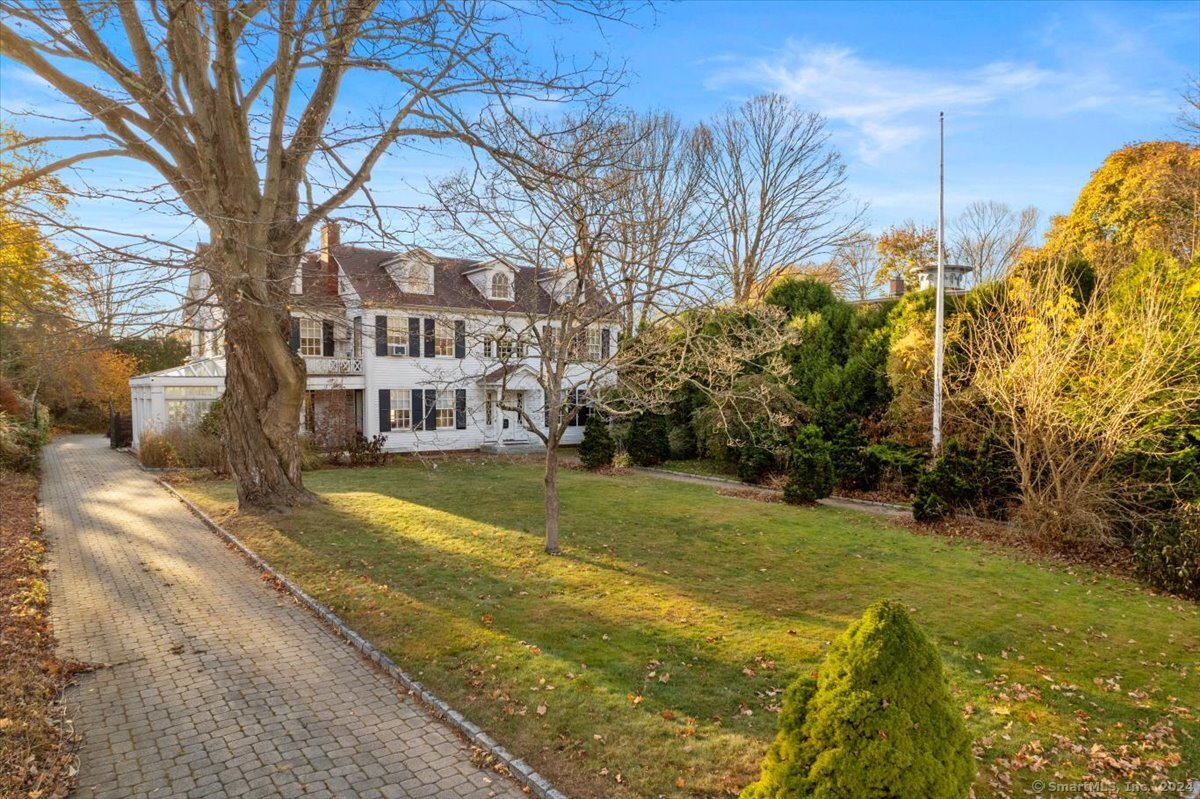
x,y
857,263
235,107
660,219
562,212
550,211
1189,112
1074,384
778,190
989,237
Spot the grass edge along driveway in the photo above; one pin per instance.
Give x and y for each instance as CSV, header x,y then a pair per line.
x,y
650,659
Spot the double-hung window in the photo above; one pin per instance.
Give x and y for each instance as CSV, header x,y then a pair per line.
x,y
311,337
397,335
594,348
445,410
443,340
400,414
504,348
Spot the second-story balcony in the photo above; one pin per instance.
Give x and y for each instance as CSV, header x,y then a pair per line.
x,y
325,366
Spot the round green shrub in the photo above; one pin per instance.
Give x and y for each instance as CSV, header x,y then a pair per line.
x,y
810,472
647,442
876,721
597,448
948,484
754,462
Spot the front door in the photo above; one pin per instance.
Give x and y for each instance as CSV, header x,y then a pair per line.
x,y
512,425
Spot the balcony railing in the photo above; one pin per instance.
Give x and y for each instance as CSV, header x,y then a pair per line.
x,y
325,366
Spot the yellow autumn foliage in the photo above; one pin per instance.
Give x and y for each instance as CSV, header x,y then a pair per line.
x,y
1145,197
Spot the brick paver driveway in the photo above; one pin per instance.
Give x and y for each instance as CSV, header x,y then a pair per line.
x,y
215,684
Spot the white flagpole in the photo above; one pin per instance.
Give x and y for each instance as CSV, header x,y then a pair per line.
x,y
940,318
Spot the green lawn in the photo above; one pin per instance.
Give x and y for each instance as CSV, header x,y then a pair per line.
x,y
649,659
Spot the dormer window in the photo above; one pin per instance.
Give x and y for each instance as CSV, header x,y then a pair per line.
x,y
412,272
419,279
501,286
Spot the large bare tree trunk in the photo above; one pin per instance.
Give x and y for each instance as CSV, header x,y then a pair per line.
x,y
551,494
264,384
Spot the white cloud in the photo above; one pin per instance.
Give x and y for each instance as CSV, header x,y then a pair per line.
x,y
888,107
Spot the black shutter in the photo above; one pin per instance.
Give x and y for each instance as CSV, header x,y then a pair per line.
x,y
294,342
414,337
570,408
460,409
429,352
604,343
460,339
584,410
327,339
385,408
430,409
381,347
546,410
418,409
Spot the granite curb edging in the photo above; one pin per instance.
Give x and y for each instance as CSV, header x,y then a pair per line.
x,y
521,771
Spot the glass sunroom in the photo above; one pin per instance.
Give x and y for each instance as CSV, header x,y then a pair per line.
x,y
176,397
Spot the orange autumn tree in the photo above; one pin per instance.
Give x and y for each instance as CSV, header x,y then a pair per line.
x,y
903,249
110,375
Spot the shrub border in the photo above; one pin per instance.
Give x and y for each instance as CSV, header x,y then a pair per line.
x,y
521,771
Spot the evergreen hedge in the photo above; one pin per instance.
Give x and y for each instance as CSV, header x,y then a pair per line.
x,y
810,471
647,443
1168,551
596,450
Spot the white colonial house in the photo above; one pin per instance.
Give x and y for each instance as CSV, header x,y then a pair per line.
x,y
434,353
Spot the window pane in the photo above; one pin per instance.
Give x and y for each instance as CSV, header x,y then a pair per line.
x,y
501,286
397,335
191,392
445,409
444,338
401,410
310,337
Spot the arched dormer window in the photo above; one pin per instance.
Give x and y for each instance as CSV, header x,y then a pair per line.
x,y
501,286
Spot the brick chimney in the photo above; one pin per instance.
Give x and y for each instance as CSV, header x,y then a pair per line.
x,y
331,238
897,286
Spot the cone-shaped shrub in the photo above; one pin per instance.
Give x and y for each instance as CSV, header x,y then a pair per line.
x,y
875,722
810,473
596,450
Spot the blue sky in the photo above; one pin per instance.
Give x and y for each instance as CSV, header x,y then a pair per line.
x,y
1036,94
